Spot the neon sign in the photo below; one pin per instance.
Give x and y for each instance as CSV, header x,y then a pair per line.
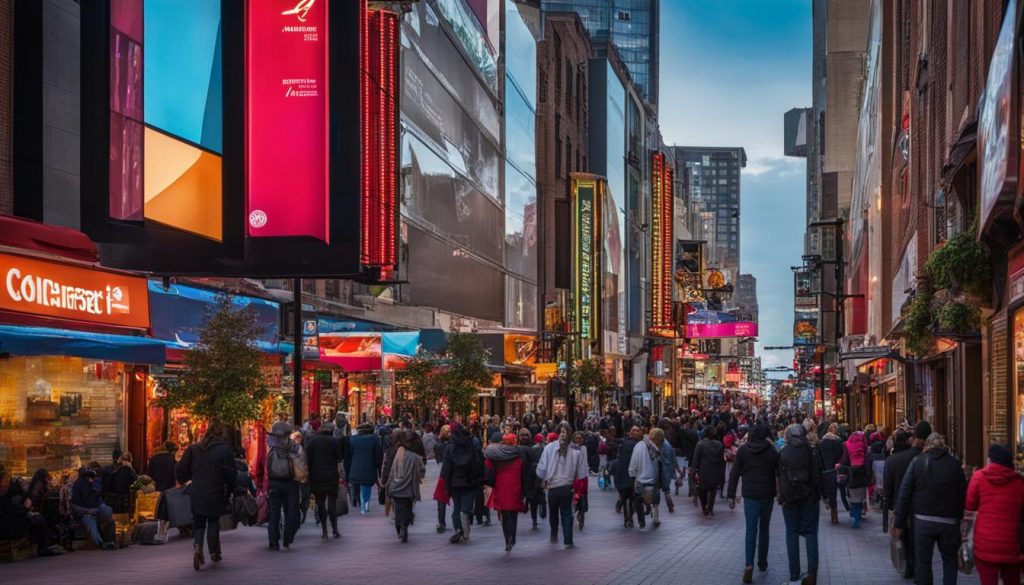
x,y
585,200
662,237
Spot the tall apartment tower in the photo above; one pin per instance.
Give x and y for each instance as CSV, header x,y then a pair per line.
x,y
631,25
713,174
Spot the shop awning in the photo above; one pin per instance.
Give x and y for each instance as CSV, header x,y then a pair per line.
x,y
22,233
27,341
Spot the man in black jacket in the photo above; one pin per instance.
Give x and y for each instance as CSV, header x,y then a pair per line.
x,y
800,470
757,463
934,487
831,448
623,484
895,469
689,439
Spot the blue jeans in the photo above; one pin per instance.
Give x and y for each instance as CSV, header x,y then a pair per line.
x,y
802,520
92,528
208,526
560,508
759,516
463,501
283,495
362,493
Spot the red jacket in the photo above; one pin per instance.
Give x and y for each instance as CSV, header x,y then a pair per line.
x,y
997,493
507,493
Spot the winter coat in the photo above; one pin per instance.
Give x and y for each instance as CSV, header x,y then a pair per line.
x,y
709,461
855,451
363,460
439,446
997,494
688,439
620,468
757,462
895,468
14,521
795,454
211,469
509,477
668,466
463,466
161,469
405,475
532,488
934,485
323,454
831,447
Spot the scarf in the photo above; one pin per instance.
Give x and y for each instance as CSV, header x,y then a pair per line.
x,y
653,451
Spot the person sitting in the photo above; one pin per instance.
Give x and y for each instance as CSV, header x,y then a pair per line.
x,y
87,507
117,484
17,520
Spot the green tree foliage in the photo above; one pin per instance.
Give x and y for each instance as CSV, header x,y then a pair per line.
x,y
222,376
423,375
454,378
589,374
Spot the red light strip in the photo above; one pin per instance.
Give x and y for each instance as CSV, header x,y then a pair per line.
x,y
379,89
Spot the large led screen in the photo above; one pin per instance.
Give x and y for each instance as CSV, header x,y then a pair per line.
x,y
166,118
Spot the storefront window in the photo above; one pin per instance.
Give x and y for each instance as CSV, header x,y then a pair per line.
x,y
59,413
1018,383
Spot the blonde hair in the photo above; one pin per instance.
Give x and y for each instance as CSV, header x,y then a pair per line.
x,y
657,435
935,441
812,433
446,431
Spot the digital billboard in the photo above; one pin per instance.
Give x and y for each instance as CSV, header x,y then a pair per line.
x,y
586,198
662,241
805,328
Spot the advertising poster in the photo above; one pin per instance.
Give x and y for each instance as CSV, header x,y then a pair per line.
x,y
355,352
287,119
310,339
805,328
689,270
804,288
398,347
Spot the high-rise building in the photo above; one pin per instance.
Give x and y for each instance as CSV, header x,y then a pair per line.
x,y
631,25
713,174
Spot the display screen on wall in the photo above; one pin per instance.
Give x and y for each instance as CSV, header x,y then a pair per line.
x,y
356,352
165,143
997,131
287,119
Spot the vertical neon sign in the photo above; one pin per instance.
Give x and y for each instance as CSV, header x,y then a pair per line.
x,y
586,199
378,87
662,228
287,186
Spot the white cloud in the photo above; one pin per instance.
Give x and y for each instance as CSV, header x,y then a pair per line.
x,y
782,166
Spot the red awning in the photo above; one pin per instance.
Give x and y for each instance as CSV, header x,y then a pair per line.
x,y
60,241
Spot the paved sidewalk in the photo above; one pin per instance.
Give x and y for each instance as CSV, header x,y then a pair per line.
x,y
687,548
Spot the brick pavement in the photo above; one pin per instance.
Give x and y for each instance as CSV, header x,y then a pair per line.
x,y
685,549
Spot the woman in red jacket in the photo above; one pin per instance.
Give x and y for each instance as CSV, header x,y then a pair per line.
x,y
996,492
508,495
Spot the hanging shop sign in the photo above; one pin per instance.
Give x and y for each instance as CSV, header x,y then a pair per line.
x,y
689,270
47,288
997,132
662,238
286,120
585,199
804,289
805,328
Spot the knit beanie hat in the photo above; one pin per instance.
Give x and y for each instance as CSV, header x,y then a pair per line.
x,y
1000,455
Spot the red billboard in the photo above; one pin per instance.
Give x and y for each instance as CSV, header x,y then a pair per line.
x,y
721,330
287,120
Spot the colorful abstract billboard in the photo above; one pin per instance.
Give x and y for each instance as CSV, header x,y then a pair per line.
x,y
689,270
355,352
287,186
166,144
398,347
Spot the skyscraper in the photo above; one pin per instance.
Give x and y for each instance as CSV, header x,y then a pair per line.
x,y
631,25
714,179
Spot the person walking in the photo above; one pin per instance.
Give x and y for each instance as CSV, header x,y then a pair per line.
x,y
645,472
563,471
323,455
623,482
463,475
441,495
996,493
508,496
757,462
895,470
210,466
533,491
402,481
362,465
800,470
855,457
282,484
581,501
934,488
709,465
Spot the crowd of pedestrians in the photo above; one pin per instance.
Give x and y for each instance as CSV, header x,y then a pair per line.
x,y
546,468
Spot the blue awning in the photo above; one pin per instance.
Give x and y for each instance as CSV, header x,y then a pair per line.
x,y
101,346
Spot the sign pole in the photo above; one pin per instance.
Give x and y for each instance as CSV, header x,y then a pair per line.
x,y
297,360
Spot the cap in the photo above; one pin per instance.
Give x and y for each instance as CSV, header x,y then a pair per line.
x,y
281,429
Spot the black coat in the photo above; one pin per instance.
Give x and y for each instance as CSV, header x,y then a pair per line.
x,y
934,485
620,468
211,469
161,469
323,454
463,466
895,468
831,452
796,455
688,439
709,461
757,462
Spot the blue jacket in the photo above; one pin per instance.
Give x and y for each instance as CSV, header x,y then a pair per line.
x,y
668,466
363,460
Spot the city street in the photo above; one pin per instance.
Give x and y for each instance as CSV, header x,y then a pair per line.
x,y
685,549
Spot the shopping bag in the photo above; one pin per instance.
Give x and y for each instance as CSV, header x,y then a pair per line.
x,y
179,507
263,509
341,504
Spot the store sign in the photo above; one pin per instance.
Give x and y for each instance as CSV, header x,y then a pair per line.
x,y
356,352
721,330
585,200
287,119
53,289
997,133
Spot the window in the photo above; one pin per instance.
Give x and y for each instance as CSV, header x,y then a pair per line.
x,y
309,286
568,156
623,15
568,87
542,86
332,290
558,155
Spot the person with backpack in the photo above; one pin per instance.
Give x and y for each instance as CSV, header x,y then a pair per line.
x,y
800,470
402,481
934,487
532,489
463,474
855,458
905,449
757,462
441,495
323,455
210,466
286,466
619,468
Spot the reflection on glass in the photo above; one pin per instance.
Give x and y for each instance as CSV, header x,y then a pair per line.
x,y
1018,379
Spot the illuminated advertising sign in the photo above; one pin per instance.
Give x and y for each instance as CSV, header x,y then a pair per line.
x,y
662,238
286,118
805,328
585,199
689,270
997,132
46,288
721,330
356,352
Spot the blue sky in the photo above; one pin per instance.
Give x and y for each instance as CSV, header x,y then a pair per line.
x,y
729,70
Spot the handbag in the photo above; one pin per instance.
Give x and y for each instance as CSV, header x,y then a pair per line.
x,y
263,509
341,504
965,556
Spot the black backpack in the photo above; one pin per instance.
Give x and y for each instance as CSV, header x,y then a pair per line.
x,y
279,464
795,465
